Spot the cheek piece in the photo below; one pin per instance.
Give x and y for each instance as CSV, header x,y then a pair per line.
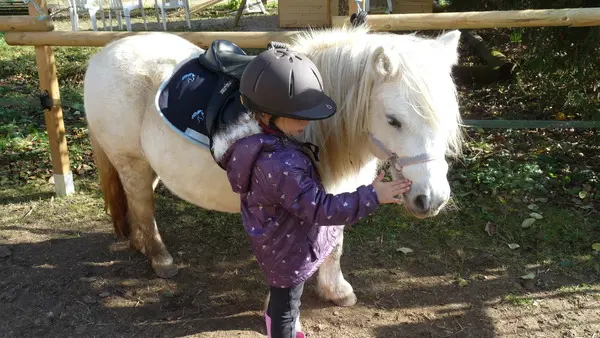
x,y
400,162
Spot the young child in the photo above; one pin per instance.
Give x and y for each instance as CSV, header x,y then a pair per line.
x,y
286,212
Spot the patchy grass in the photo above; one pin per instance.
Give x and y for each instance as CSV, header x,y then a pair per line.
x,y
518,301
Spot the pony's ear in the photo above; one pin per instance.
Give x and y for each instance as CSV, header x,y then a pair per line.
x,y
449,43
386,62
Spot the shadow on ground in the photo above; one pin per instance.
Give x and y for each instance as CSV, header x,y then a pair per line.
x,y
61,282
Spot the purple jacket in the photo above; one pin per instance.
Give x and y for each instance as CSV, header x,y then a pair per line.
x,y
289,218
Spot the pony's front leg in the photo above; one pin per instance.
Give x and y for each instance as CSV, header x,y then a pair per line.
x,y
331,284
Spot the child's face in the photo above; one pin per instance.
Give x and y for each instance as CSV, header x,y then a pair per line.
x,y
289,126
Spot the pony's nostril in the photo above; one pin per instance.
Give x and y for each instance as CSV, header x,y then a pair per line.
x,y
422,202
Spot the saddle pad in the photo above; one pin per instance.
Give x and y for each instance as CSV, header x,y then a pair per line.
x,y
183,98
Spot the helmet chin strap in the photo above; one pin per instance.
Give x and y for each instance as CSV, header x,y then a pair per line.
x,y
272,127
400,162
272,122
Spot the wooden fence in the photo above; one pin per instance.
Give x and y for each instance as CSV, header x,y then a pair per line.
x,y
32,30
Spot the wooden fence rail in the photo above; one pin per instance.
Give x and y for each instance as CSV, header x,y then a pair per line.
x,y
24,23
31,31
573,17
98,39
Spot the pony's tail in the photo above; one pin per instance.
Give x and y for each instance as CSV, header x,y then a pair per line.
x,y
115,200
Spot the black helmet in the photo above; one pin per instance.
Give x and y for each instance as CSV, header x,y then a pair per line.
x,y
285,83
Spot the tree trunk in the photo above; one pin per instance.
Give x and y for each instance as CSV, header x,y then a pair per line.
x,y
238,15
493,58
478,75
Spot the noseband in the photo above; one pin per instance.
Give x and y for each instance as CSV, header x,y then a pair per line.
x,y
400,162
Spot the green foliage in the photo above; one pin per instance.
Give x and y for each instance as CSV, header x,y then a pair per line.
x,y
517,300
516,36
233,4
521,162
558,68
24,158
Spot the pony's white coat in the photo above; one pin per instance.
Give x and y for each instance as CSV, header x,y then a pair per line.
x,y
375,79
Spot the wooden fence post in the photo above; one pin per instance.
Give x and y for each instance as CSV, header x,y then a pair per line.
x,y
352,7
55,127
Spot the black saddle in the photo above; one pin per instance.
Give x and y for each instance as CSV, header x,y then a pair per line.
x,y
201,98
226,57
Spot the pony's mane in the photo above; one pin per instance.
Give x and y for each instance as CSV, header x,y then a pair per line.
x,y
347,54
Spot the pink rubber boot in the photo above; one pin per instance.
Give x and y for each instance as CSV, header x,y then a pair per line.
x,y
299,334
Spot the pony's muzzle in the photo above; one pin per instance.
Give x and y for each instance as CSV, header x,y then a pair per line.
x,y
424,205
426,198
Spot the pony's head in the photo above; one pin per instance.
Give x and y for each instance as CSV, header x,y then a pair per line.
x,y
414,116
396,100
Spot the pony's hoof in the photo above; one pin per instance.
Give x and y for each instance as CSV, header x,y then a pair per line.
x,y
346,301
166,271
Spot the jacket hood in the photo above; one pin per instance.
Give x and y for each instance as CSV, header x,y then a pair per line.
x,y
245,145
245,126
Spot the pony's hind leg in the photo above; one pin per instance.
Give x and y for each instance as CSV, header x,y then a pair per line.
x,y
331,284
139,181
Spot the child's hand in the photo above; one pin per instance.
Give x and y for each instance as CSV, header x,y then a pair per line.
x,y
387,191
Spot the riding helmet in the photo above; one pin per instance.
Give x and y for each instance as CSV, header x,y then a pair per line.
x,y
285,83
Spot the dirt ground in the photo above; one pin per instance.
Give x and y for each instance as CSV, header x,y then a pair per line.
x,y
62,274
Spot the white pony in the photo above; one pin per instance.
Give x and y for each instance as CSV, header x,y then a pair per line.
x,y
395,97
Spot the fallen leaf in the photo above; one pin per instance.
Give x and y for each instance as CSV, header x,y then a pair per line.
x,y
513,245
530,275
596,246
405,250
528,222
536,215
582,194
490,228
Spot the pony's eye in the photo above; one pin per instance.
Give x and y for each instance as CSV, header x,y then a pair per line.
x,y
393,122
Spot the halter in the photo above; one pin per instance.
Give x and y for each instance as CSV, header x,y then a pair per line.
x,y
400,162
357,19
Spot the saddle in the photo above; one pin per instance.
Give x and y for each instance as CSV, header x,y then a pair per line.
x,y
201,97
226,57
